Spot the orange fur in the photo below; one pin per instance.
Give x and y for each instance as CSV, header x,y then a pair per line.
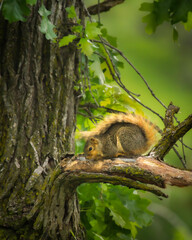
x,y
146,125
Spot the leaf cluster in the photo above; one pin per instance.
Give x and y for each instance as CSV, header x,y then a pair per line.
x,y
17,10
172,11
46,26
84,35
112,212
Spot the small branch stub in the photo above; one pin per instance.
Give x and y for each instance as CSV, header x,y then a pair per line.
x,y
170,137
104,6
171,111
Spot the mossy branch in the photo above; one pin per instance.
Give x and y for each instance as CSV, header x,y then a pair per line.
x,y
58,194
170,137
143,173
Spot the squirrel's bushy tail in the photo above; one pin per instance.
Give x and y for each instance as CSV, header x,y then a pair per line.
x,y
147,126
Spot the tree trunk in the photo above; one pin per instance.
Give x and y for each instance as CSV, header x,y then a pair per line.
x,y
37,124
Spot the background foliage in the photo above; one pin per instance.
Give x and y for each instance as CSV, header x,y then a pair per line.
x,y
167,67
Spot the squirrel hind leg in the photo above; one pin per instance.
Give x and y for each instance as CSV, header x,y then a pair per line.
x,y
130,155
132,141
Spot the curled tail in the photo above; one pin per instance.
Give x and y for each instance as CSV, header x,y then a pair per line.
x,y
147,126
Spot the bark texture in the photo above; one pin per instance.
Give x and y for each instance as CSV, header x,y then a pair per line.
x,y
144,173
37,124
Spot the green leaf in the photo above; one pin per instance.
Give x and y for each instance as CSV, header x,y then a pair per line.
x,y
98,237
15,10
188,24
112,40
85,189
173,11
96,67
77,29
71,12
44,12
46,26
112,212
117,218
106,71
66,40
150,19
159,11
86,46
91,30
31,2
146,7
175,35
180,10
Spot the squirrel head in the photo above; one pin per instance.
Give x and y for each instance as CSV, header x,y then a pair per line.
x,y
92,149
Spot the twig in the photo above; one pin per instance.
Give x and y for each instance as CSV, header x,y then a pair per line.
x,y
187,146
90,116
92,105
99,11
126,59
104,6
183,150
1,4
129,93
181,159
89,85
119,82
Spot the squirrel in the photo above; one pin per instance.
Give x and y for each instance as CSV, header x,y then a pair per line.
x,y
127,135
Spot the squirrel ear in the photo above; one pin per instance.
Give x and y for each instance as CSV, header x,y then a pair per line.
x,y
94,140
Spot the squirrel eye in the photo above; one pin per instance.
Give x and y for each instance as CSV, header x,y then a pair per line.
x,y
90,148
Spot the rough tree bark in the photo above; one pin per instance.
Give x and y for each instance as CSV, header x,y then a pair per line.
x,y
37,124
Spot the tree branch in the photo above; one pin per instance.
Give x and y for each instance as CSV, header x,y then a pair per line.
x,y
170,137
141,173
104,6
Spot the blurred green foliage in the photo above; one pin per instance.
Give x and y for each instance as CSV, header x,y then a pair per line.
x,y
172,11
167,67
46,26
112,212
17,10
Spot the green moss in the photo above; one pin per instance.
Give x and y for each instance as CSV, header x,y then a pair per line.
x,y
54,174
7,234
137,173
39,221
3,129
116,180
27,232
